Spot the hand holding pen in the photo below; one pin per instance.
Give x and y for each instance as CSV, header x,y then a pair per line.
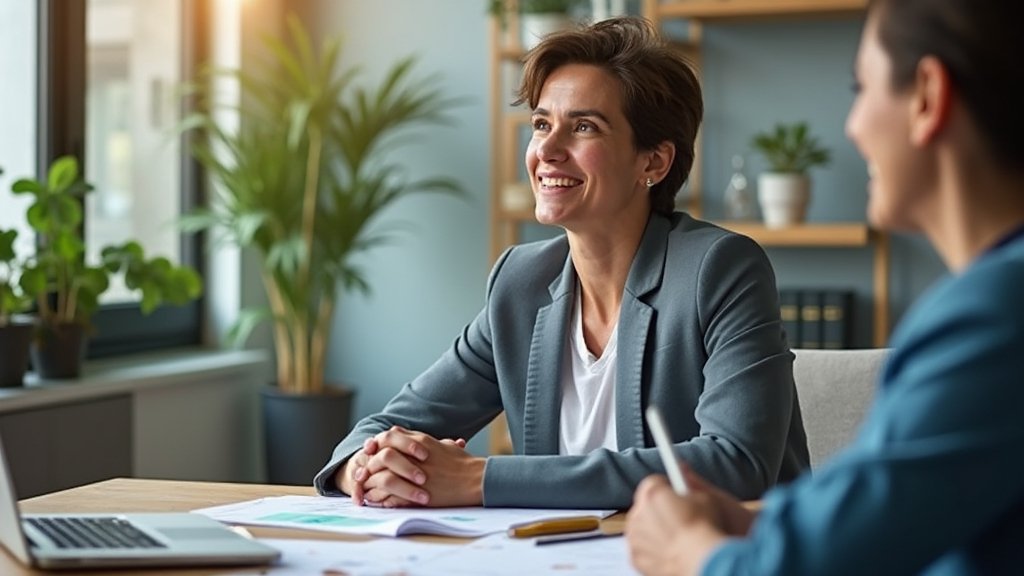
x,y
684,481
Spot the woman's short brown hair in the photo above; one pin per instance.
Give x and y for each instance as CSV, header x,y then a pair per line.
x,y
660,91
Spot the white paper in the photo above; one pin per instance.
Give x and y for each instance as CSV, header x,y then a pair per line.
x,y
496,555
381,557
340,515
499,555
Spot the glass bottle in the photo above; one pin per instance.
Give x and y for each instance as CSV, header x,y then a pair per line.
x,y
739,202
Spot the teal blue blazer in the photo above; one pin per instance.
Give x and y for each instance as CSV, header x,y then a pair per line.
x,y
934,482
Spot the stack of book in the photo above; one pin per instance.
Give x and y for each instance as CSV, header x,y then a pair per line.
x,y
817,318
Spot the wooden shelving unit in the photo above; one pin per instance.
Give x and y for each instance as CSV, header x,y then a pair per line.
x,y
811,235
833,235
752,9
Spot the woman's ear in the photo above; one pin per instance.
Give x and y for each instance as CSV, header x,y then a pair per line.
x,y
659,160
931,100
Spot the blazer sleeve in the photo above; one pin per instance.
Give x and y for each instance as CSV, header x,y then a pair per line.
x,y
747,412
454,398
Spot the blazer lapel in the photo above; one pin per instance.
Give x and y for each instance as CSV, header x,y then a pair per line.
x,y
541,414
645,276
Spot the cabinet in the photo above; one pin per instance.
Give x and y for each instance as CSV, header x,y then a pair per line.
x,y
124,418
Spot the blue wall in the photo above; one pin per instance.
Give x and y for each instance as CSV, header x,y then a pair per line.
x,y
431,282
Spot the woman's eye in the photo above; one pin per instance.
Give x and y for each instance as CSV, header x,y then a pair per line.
x,y
585,127
540,124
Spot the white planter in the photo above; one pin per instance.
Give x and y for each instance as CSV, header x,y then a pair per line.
x,y
784,198
533,27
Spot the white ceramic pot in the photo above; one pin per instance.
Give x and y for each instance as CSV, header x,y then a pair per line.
x,y
533,27
784,198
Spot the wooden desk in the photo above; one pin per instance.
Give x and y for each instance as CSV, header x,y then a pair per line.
x,y
133,495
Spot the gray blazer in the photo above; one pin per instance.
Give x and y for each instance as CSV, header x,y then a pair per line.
x,y
699,335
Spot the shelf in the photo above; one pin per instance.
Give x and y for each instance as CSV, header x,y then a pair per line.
x,y
513,54
835,234
754,9
518,216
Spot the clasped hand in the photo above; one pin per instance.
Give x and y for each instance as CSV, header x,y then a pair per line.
x,y
400,468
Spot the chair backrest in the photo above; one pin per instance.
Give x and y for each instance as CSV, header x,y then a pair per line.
x,y
835,388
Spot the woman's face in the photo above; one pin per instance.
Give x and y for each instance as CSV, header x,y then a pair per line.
x,y
585,172
879,125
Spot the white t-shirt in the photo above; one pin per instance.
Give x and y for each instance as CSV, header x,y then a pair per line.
x,y
588,392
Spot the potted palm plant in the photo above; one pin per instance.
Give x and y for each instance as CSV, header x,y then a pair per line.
x,y
301,182
65,287
784,191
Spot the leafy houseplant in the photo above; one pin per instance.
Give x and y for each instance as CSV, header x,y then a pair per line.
x,y
498,7
67,289
784,191
301,181
15,330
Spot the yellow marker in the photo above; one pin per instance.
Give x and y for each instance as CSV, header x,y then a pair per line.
x,y
554,526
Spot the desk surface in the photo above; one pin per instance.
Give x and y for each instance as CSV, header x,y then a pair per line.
x,y
134,495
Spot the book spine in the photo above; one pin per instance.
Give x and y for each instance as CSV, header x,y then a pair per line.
x,y
836,315
789,310
810,319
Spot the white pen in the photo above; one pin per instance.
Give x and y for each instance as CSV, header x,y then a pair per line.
x,y
664,444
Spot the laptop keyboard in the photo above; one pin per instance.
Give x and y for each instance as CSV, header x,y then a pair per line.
x,y
93,532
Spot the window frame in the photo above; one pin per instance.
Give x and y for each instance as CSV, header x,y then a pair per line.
x,y
119,328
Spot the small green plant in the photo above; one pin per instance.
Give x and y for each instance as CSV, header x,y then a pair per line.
x,y
501,8
13,299
789,148
66,289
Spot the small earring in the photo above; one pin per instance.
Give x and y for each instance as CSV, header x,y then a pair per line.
x,y
649,182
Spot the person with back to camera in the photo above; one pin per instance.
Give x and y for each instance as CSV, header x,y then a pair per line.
x,y
934,482
634,304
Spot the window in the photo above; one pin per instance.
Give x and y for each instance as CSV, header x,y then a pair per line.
x,y
108,74
133,64
17,111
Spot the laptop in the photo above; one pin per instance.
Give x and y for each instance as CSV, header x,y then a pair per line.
x,y
77,541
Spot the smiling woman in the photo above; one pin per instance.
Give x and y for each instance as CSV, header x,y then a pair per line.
x,y
634,304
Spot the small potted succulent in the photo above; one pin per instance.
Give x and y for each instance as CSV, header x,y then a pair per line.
x,y
784,191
